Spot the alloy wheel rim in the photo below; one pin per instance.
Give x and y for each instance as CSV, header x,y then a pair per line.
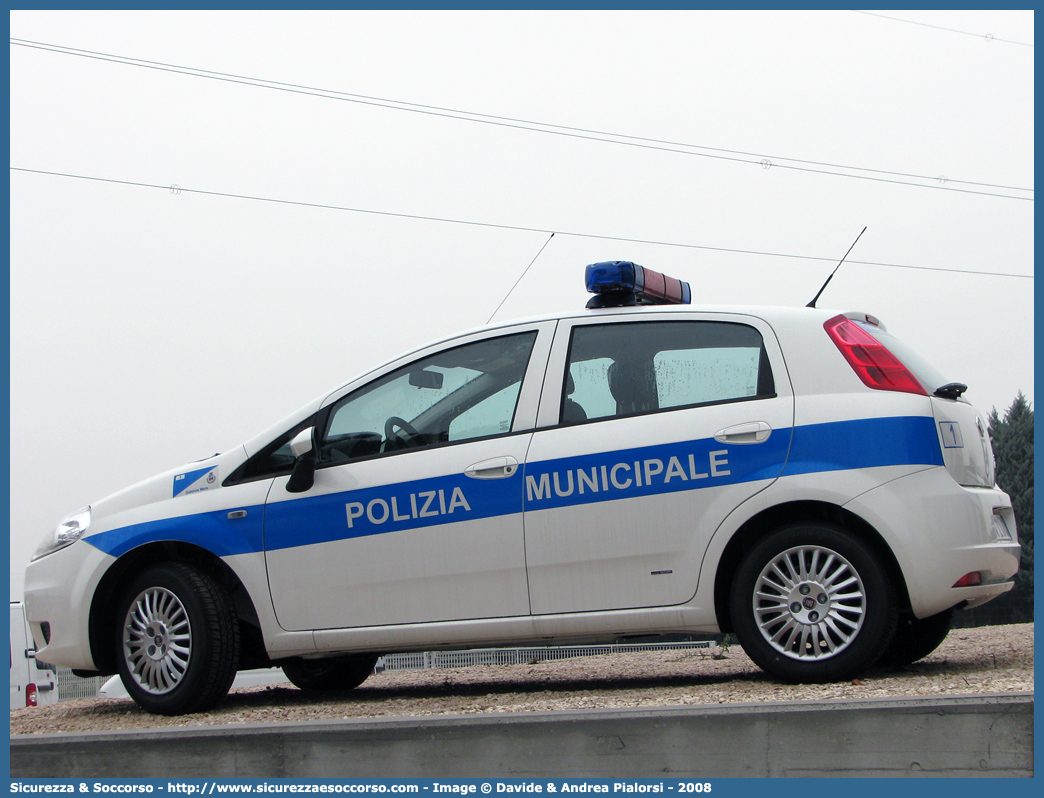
x,y
157,640
809,603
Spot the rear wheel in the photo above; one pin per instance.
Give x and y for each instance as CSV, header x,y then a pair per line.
x,y
330,673
177,640
916,638
811,603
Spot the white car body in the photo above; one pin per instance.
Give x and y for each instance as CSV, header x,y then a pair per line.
x,y
542,530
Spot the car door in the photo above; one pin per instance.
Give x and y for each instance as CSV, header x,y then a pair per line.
x,y
415,514
657,427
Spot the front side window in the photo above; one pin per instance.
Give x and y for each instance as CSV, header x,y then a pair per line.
x,y
459,394
273,460
617,370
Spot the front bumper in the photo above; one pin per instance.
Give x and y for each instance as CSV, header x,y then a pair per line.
x,y
59,590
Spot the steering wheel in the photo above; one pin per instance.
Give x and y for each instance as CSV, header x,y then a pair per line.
x,y
409,439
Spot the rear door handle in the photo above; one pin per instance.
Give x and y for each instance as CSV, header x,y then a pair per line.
x,y
495,468
751,432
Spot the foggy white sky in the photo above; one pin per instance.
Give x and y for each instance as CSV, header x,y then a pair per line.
x,y
150,328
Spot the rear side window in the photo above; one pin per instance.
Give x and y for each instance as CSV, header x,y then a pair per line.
x,y
617,370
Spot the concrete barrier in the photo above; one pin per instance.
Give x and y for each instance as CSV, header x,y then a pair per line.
x,y
963,736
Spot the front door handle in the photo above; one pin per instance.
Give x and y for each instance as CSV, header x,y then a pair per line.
x,y
751,432
496,468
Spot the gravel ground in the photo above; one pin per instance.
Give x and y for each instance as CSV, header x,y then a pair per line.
x,y
997,659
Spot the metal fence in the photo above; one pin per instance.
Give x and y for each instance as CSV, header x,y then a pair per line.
x,y
71,686
515,656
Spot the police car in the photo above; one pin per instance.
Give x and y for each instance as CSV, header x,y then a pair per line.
x,y
643,466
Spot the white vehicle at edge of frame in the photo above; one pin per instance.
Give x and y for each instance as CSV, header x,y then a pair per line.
x,y
34,683
644,466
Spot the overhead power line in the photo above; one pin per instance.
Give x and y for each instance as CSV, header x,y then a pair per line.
x,y
177,189
989,37
697,150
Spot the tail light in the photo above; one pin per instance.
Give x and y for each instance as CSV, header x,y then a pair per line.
x,y
870,359
30,695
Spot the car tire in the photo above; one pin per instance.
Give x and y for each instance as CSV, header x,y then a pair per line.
x,y
812,603
330,673
916,638
177,640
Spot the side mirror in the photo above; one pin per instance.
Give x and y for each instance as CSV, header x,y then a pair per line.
x,y
302,447
302,442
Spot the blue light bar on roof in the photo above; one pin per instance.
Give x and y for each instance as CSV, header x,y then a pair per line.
x,y
618,283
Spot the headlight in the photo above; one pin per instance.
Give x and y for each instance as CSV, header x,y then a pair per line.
x,y
70,530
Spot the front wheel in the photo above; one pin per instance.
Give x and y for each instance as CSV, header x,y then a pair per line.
x,y
330,673
177,640
811,603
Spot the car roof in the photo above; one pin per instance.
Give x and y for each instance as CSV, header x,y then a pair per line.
x,y
767,312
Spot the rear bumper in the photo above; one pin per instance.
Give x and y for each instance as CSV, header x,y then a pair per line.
x,y
982,596
939,532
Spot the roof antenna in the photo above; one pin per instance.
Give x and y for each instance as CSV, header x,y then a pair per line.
x,y
812,304
525,271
